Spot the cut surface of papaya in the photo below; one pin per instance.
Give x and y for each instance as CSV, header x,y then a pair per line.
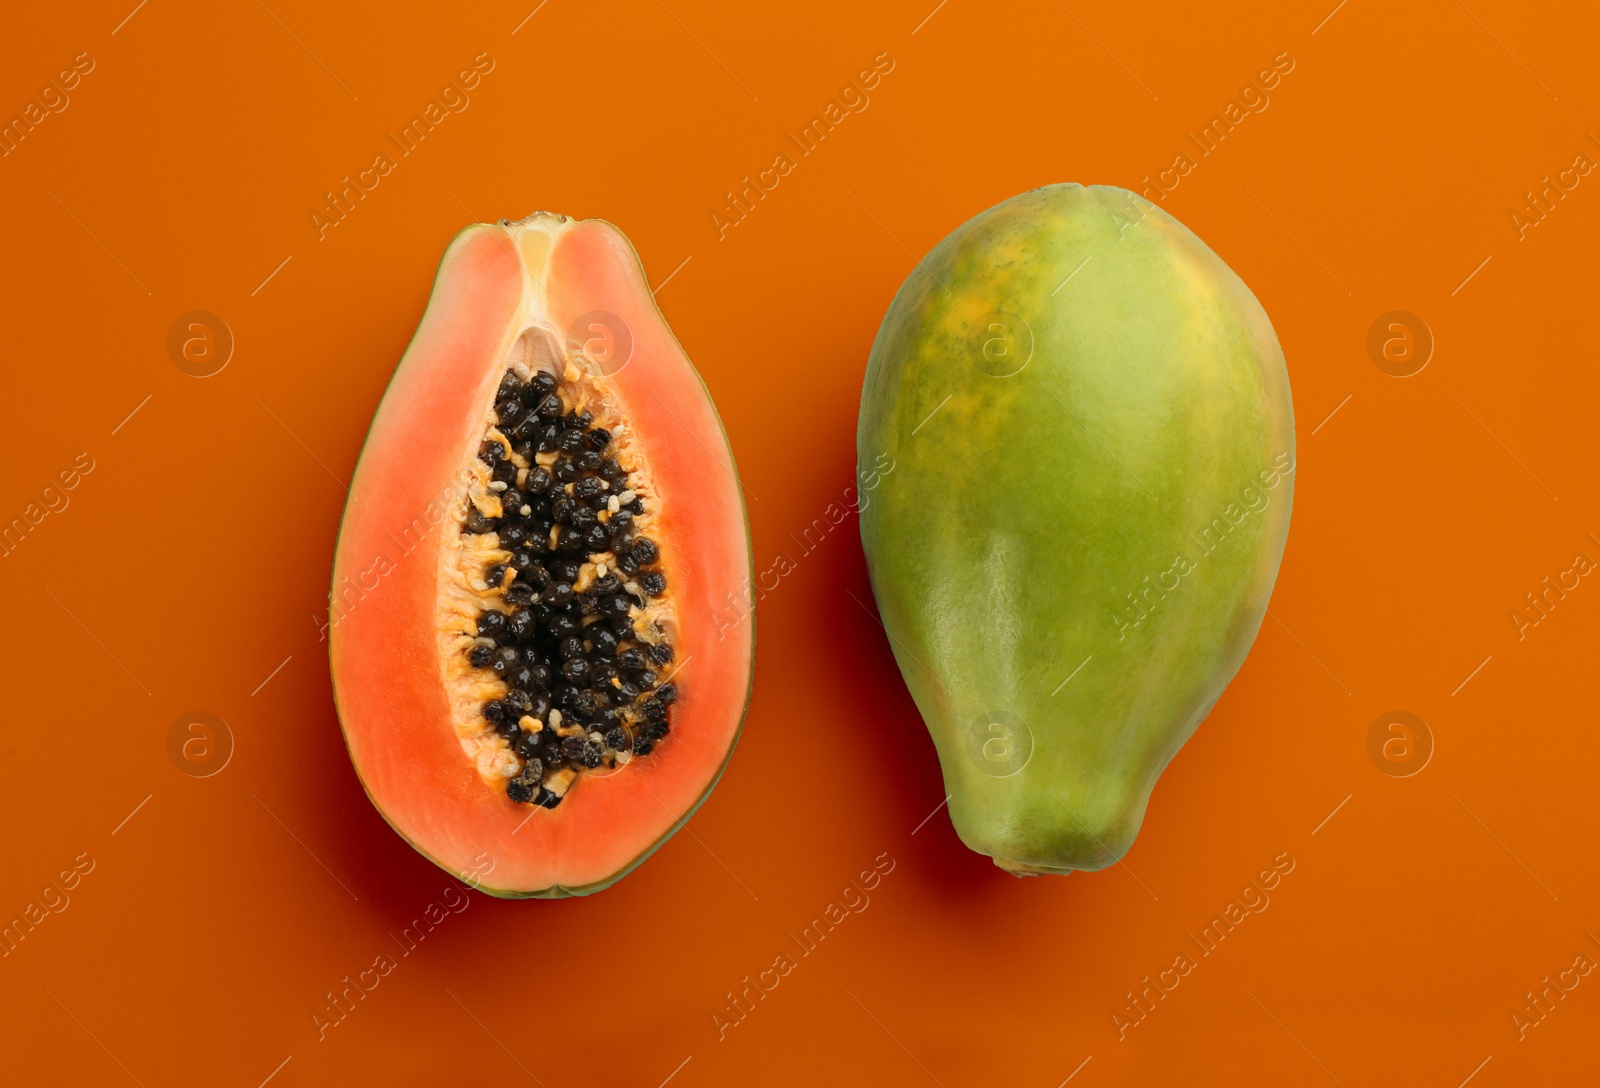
x,y
533,662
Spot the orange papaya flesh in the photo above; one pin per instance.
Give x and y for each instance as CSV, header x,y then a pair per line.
x,y
540,634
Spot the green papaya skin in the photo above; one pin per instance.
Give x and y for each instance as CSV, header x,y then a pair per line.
x,y
1090,424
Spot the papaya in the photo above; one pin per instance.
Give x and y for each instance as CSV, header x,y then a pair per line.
x,y
534,661
1090,418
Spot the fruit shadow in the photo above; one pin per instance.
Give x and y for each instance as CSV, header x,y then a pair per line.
x,y
388,877
395,885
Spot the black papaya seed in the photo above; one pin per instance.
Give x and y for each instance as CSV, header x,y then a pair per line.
x,y
522,626
506,411
528,429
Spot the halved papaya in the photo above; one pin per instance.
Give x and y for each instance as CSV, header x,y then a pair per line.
x,y
534,660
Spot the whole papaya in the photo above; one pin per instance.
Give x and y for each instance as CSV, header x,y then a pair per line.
x,y
1089,419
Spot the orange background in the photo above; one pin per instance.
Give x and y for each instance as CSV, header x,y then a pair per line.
x,y
192,560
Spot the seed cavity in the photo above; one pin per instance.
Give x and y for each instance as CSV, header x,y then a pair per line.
x,y
566,624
